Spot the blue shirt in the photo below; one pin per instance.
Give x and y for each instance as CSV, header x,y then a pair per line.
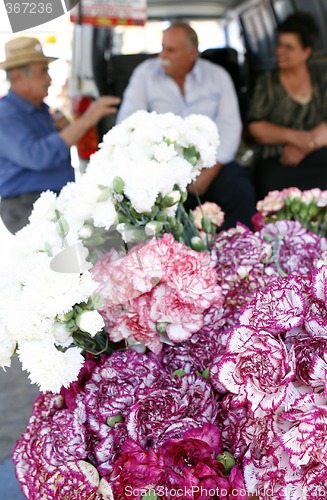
x,y
33,157
208,90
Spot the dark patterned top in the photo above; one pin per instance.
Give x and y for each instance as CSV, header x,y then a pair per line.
x,y
270,102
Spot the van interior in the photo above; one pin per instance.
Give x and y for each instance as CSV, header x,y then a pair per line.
x,y
240,35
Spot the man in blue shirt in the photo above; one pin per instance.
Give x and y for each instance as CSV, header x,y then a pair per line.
x,y
180,82
34,147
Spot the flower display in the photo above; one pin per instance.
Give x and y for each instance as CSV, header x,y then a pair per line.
x,y
173,361
247,262
123,199
223,390
128,427
276,392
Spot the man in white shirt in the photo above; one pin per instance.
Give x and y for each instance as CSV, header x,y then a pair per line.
x,y
180,82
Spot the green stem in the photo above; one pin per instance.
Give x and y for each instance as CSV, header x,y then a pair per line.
x,y
276,248
197,197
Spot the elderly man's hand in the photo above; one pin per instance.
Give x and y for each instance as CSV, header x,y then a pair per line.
x,y
104,106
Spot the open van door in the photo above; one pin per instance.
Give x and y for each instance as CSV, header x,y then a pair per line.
x,y
237,34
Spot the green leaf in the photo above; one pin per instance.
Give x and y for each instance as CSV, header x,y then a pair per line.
x,y
62,227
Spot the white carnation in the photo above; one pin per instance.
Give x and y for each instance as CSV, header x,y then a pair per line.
x,y
61,335
44,208
104,214
90,322
26,322
7,347
49,368
164,152
56,293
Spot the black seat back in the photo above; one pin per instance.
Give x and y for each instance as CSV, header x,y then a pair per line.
x,y
120,67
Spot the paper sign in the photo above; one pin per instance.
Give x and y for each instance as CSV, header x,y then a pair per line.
x,y
110,12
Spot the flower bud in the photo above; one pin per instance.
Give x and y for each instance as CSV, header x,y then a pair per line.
x,y
111,421
90,322
158,199
86,231
198,244
105,193
161,216
153,228
178,229
184,195
295,205
228,461
206,224
161,326
171,199
62,227
313,210
150,495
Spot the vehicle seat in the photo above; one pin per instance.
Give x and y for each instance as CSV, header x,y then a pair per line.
x,y
120,67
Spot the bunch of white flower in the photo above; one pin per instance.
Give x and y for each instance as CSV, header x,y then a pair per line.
x,y
35,299
152,153
47,294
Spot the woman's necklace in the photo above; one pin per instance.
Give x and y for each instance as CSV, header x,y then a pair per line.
x,y
300,93
304,97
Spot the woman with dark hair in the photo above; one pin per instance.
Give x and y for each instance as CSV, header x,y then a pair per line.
x,y
288,113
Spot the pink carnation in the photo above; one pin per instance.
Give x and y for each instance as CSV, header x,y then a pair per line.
x,y
167,288
210,210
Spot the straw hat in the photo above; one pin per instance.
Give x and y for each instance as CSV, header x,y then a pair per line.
x,y
22,51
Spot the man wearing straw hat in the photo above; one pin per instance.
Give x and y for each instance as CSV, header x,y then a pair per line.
x,y
34,150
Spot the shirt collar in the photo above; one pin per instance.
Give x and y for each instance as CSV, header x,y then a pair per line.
x,y
24,105
196,70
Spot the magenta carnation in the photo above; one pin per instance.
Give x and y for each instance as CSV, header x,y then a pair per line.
x,y
301,430
136,471
260,371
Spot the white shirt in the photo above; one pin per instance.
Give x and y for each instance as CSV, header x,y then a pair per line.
x,y
208,90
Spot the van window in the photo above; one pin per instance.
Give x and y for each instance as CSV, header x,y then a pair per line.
x,y
147,38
